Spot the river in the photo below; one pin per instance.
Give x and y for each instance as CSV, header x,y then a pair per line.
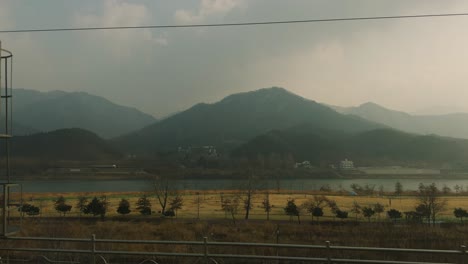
x,y
42,186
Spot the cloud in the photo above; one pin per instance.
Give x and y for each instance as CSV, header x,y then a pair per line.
x,y
207,9
6,21
28,51
122,13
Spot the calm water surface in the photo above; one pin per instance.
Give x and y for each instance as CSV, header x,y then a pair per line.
x,y
224,184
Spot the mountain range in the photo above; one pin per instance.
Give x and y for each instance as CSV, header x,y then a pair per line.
x,y
369,148
236,119
270,120
36,111
450,125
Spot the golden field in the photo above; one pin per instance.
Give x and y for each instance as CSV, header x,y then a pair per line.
x,y
210,204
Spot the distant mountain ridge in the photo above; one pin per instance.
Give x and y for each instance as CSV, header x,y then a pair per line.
x,y
62,144
450,125
236,119
48,111
375,147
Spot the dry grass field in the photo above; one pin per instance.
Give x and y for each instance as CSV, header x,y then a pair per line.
x,y
210,204
217,226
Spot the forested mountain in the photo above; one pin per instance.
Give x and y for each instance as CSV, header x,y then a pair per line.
x,y
57,109
450,125
236,119
380,146
63,144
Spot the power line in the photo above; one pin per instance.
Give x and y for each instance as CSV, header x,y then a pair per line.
x,y
234,24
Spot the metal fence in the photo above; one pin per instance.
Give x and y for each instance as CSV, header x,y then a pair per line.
x,y
93,250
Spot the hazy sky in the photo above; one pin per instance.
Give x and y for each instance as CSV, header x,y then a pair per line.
x,y
408,64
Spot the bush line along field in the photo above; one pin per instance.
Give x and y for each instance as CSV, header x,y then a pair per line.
x,y
216,225
210,205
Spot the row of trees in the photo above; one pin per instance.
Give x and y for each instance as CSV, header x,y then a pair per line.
x,y
315,207
99,206
429,205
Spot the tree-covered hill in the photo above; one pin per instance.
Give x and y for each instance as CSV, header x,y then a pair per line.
x,y
48,111
380,146
237,119
64,144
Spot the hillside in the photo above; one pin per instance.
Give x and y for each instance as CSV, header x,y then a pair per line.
x,y
380,146
450,125
64,144
57,109
236,119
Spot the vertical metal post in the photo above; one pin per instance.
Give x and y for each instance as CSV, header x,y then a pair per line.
x,y
198,205
205,249
93,249
4,209
0,71
328,252
7,141
463,255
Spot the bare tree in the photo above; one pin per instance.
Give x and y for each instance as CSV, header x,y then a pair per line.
x,y
230,205
398,188
248,190
429,199
333,207
198,201
266,204
248,195
176,203
379,208
164,188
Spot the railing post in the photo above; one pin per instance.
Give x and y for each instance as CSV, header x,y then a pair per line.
x,y
328,252
463,255
205,249
93,249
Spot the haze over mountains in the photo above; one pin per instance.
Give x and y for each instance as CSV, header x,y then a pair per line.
x,y
450,125
47,111
261,122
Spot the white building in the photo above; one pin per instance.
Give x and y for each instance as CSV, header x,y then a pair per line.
x,y
346,165
304,164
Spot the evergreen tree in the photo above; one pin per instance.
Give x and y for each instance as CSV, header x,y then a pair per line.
x,y
341,214
96,207
124,207
460,213
28,209
394,214
144,205
368,212
61,206
291,209
81,204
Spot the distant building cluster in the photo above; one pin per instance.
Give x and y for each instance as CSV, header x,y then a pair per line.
x,y
204,151
346,165
305,164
